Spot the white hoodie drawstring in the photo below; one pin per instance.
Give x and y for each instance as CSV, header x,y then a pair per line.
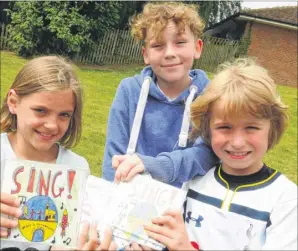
x,y
186,117
138,116
140,112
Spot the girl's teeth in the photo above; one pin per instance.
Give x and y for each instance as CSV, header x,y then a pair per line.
x,y
46,135
238,154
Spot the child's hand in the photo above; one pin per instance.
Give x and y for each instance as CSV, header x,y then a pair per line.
x,y
93,241
170,231
127,166
9,205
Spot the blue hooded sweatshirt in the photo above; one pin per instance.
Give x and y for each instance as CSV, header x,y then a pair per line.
x,y
157,144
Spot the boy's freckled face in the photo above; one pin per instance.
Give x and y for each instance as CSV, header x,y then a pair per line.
x,y
240,142
43,118
172,58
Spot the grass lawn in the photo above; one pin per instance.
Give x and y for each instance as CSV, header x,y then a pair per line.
x,y
99,89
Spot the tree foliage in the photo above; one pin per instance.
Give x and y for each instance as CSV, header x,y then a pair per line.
x,y
215,11
64,27
67,27
129,9
210,11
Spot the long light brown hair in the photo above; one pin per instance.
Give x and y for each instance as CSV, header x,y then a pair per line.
x,y
47,73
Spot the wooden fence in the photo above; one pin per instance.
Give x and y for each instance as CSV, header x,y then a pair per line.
x,y
4,37
215,52
118,47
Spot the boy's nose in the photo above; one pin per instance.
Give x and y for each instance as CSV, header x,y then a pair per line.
x,y
170,51
238,140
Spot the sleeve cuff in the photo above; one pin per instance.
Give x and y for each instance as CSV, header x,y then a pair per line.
x,y
158,167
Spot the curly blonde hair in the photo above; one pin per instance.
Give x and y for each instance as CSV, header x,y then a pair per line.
x,y
155,16
47,73
246,88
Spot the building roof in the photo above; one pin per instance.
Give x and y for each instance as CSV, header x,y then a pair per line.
x,y
286,14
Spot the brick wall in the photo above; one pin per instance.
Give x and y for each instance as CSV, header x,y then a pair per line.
x,y
275,49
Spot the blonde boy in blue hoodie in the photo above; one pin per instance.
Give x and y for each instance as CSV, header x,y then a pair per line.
x,y
170,33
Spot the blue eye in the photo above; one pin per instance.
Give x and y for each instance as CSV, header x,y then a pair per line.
x,y
39,110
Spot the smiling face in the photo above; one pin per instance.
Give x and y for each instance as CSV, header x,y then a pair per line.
x,y
239,141
42,120
172,58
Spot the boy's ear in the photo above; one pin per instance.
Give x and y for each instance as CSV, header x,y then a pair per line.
x,y
145,56
12,101
198,48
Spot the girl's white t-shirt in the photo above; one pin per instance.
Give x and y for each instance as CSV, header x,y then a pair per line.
x,y
65,156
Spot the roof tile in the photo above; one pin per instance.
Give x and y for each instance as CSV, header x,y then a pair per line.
x,y
286,14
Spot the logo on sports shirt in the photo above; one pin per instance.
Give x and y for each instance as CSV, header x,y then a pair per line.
x,y
196,220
